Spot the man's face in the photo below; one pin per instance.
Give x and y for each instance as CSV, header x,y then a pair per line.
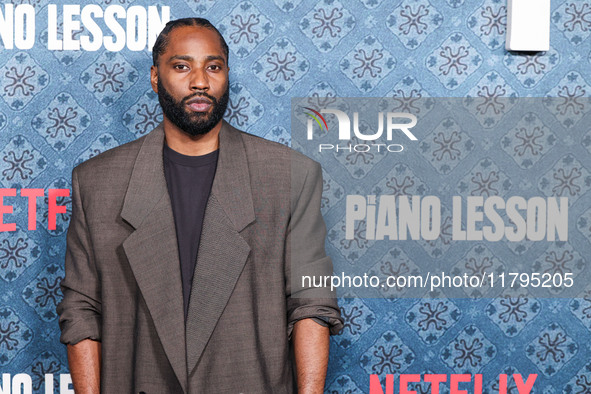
x,y
191,80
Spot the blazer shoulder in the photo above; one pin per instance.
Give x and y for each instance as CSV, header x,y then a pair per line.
x,y
268,150
114,159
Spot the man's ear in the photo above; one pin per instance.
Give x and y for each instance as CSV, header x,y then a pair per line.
x,y
154,78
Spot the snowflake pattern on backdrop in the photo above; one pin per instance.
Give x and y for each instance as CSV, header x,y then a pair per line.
x,y
281,67
367,64
109,77
62,121
413,21
454,61
21,162
551,349
528,141
327,24
22,80
469,351
245,28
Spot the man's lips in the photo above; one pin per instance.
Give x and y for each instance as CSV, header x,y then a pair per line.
x,y
199,104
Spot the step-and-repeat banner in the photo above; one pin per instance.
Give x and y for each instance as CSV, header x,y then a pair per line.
x,y
487,197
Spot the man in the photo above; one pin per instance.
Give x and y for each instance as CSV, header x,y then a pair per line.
x,y
183,247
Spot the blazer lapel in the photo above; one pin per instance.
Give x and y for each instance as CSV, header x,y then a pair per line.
x,y
152,249
222,250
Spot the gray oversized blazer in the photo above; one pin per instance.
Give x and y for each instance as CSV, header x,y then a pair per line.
x,y
123,286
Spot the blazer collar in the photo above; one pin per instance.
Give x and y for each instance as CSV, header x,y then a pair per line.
x,y
231,183
147,184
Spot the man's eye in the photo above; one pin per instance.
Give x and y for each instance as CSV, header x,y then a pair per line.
x,y
215,67
181,67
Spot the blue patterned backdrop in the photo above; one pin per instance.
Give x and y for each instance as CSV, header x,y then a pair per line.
x,y
59,108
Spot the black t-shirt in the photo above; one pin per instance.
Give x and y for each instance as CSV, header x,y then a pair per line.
x,y
189,180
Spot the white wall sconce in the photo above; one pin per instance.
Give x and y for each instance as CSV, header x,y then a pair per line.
x,y
528,25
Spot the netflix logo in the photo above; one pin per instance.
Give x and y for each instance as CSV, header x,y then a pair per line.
x,y
53,206
456,383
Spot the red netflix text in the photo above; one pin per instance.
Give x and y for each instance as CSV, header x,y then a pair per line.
x,y
53,209
458,383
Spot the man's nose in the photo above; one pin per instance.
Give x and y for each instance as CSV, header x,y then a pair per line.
x,y
199,80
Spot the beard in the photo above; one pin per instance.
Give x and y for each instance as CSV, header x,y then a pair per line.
x,y
192,123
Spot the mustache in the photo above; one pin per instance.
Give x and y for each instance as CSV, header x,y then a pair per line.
x,y
199,94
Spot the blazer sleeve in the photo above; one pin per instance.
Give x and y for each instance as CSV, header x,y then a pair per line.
x,y
80,309
306,255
